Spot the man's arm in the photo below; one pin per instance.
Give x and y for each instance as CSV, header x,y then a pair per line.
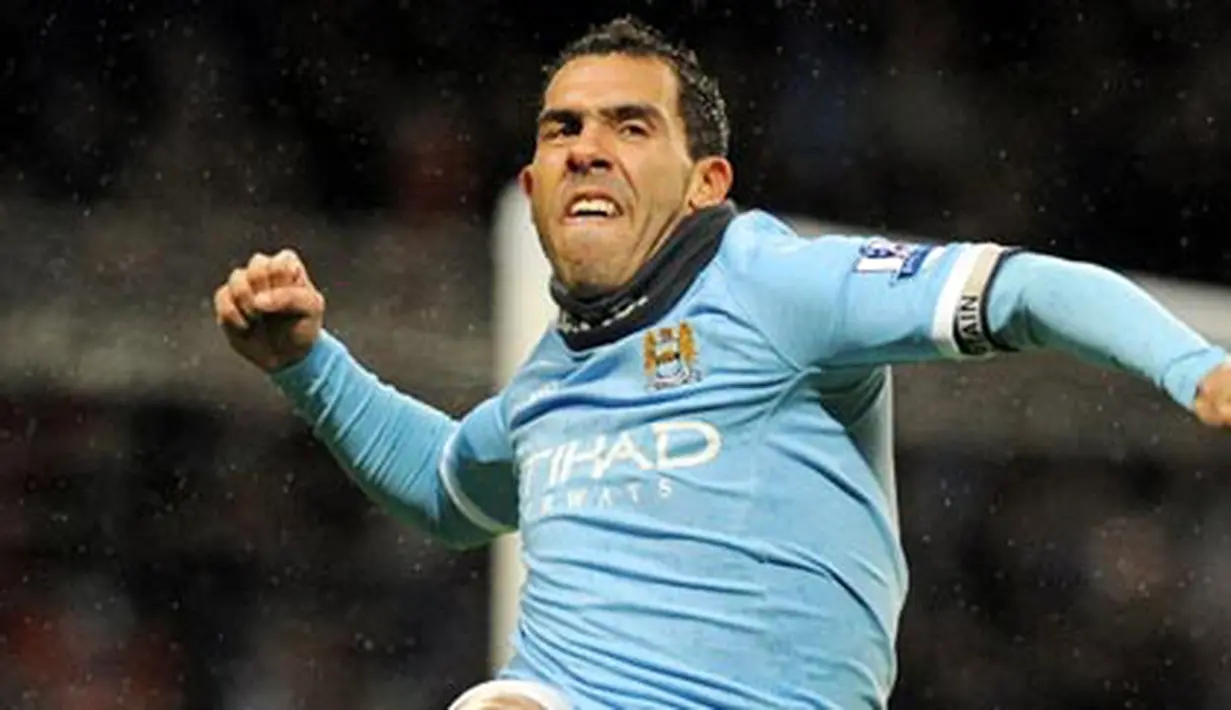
x,y
839,301
454,480
451,479
1039,301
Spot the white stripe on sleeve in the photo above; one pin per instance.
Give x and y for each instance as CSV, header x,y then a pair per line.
x,y
464,503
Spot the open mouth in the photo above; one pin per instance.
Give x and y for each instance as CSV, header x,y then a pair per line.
x,y
592,207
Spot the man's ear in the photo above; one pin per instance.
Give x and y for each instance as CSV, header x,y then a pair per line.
x,y
711,182
526,180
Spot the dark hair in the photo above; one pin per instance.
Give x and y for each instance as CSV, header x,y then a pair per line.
x,y
701,105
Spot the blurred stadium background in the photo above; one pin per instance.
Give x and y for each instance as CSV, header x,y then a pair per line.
x,y
171,538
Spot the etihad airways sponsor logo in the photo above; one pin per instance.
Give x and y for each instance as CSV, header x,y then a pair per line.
x,y
630,467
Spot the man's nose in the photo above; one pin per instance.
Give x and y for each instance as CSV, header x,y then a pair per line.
x,y
588,151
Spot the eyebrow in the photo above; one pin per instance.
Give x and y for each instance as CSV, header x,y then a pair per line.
x,y
618,112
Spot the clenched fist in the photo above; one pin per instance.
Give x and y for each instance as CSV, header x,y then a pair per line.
x,y
270,311
1214,397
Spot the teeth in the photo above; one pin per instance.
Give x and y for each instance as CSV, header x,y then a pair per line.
x,y
593,205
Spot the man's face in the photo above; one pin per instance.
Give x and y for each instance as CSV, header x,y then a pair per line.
x,y
611,175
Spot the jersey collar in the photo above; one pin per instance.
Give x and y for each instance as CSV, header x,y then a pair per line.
x,y
656,287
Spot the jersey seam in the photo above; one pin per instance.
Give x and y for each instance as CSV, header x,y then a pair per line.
x,y
774,346
797,373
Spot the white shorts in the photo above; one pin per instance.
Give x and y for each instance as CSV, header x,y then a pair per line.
x,y
511,695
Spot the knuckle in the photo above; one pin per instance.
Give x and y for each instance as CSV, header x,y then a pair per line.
x,y
239,284
258,268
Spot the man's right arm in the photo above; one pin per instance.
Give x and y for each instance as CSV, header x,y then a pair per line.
x,y
451,479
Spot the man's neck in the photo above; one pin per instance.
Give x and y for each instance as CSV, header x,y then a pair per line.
x,y
589,320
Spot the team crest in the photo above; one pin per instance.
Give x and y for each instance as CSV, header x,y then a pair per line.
x,y
670,355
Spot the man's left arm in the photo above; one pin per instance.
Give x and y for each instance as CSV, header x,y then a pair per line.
x,y
1036,301
841,301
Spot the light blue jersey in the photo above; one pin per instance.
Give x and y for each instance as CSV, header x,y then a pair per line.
x,y
707,505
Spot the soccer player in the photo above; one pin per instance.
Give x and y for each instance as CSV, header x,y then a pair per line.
x,y
697,452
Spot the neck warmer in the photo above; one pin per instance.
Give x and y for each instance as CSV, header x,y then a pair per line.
x,y
656,287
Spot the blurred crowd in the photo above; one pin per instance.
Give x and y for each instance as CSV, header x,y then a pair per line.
x,y
1052,580
1094,129
157,556
163,553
